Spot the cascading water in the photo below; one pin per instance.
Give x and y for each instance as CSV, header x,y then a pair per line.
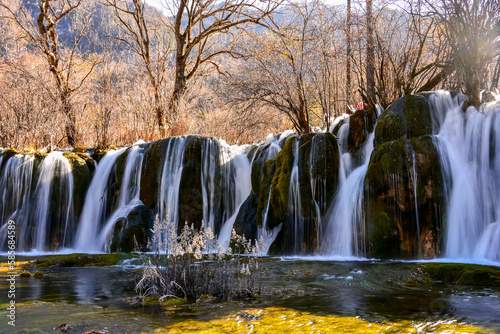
x,y
129,195
96,208
168,199
346,220
295,202
469,152
235,185
265,235
15,193
53,223
469,146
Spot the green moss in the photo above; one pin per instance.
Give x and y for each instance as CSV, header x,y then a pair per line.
x,y
25,274
281,183
38,274
76,260
464,274
99,153
265,186
384,237
177,301
418,116
391,126
407,117
389,158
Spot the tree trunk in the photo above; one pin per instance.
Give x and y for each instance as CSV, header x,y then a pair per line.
x,y
160,115
494,82
349,52
71,131
370,52
435,80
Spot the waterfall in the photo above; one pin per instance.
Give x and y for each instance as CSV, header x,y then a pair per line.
x,y
235,185
129,196
265,235
468,143
346,217
96,206
168,199
294,201
15,194
414,178
53,222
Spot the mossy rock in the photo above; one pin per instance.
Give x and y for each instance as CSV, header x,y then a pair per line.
x,y
81,179
391,126
388,159
79,149
89,161
391,195
75,260
418,115
406,118
384,237
25,274
38,274
463,274
317,160
132,229
99,153
281,183
268,171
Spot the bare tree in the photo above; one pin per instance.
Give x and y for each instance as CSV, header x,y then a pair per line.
x,y
42,32
196,25
293,68
145,31
470,30
370,52
348,52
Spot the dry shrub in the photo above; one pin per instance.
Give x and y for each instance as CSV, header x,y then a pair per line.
x,y
193,263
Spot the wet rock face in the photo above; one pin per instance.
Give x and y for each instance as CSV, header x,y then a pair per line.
x,y
132,229
399,224
360,123
151,171
190,191
81,178
315,156
246,220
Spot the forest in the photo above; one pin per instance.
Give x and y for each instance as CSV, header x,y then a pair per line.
x,y
101,73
